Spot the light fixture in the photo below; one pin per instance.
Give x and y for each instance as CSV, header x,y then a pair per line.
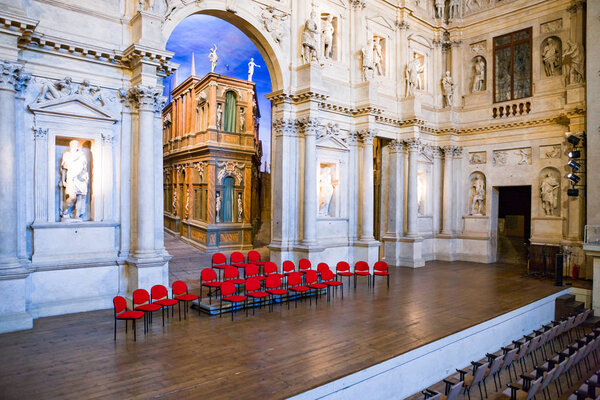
x,y
575,165
573,178
574,140
574,154
573,192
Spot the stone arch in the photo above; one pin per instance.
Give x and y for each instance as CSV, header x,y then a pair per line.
x,y
554,67
549,191
476,192
477,85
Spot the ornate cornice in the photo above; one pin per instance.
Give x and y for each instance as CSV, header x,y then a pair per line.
x,y
136,54
19,25
12,76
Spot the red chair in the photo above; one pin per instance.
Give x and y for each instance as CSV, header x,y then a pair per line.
x,y
252,272
122,314
327,277
254,258
208,278
238,260
294,281
141,302
381,269
343,269
273,286
219,262
160,296
232,275
361,268
270,269
321,267
288,267
253,290
227,294
304,265
312,281
180,293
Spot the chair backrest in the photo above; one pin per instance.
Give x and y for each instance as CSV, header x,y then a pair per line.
x,y
253,255
547,378
288,266
509,357
269,268
522,350
480,373
380,266
251,270
436,396
140,297
322,266
495,365
208,274
179,287
560,369
454,391
327,275
342,266
361,266
120,304
304,264
230,272
535,385
218,258
159,292
252,284
272,282
227,288
311,276
237,257
294,279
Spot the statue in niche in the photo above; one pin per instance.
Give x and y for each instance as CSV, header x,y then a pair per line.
x,y
187,203
174,203
93,93
240,204
439,8
572,61
414,69
549,193
310,39
212,56
219,116
377,55
327,31
75,181
550,57
242,120
218,207
325,191
251,66
454,9
477,195
367,60
52,91
448,89
478,75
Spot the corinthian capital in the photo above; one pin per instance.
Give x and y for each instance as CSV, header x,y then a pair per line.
x,y
396,146
284,127
413,144
367,135
309,125
146,98
12,76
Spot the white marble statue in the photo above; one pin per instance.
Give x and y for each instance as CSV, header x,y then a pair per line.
x,y
549,193
218,207
310,39
93,93
448,89
242,120
413,76
439,8
274,22
251,66
377,56
572,60
219,116
325,191
550,57
367,60
477,195
327,31
240,204
212,56
478,75
52,91
454,9
75,181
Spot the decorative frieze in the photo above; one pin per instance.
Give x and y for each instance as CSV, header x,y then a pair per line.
x,y
478,47
275,22
550,151
520,156
551,26
477,157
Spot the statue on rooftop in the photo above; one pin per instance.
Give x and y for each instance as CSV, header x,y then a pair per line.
x,y
213,58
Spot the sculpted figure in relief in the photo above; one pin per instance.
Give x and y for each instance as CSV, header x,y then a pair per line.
x,y
550,58
471,3
439,8
478,75
310,39
367,60
327,31
251,66
212,56
94,93
51,91
549,193
477,195
448,89
75,180
274,23
325,191
572,59
454,9
240,204
413,76
377,55
218,207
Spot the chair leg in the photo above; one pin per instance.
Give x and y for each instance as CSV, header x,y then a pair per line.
x,y
115,329
134,331
179,303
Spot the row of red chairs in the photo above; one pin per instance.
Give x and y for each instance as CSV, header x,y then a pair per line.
x,y
144,304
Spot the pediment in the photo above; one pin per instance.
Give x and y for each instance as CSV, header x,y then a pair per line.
x,y
332,142
73,106
340,3
381,20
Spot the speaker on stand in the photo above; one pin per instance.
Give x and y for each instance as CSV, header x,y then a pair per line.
x,y
558,269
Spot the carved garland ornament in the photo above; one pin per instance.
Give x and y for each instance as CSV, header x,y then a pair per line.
x,y
229,168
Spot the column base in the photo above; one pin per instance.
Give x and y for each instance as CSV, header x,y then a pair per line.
x,y
13,313
145,273
367,250
404,252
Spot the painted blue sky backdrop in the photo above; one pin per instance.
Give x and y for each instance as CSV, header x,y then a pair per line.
x,y
197,34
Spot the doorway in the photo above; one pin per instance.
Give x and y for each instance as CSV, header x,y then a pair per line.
x,y
513,224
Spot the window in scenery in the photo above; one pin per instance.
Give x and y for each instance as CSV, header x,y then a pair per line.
x,y
230,111
228,199
512,66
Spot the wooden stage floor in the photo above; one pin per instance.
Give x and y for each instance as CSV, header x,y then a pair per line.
x,y
266,356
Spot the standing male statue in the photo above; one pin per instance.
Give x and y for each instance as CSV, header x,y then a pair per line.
x,y
240,204
310,39
219,116
413,77
477,195
327,31
377,55
549,194
550,57
478,75
454,9
572,59
447,89
251,66
75,180
325,191
212,56
218,208
439,8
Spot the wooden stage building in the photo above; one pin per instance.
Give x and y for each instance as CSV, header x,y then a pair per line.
x,y
268,355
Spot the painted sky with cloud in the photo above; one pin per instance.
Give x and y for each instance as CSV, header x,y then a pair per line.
x,y
196,35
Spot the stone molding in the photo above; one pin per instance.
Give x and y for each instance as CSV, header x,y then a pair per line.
x,y
12,76
40,134
331,130
145,98
367,136
413,144
449,150
284,127
397,146
309,125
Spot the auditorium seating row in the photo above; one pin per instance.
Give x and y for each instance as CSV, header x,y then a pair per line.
x,y
543,343
589,389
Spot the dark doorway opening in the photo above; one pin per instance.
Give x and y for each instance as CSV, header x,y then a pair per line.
x,y
514,223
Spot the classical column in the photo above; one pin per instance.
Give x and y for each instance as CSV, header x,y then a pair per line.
x,y
413,153
146,99
437,188
40,136
310,127
395,222
125,172
107,176
447,195
366,189
12,79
